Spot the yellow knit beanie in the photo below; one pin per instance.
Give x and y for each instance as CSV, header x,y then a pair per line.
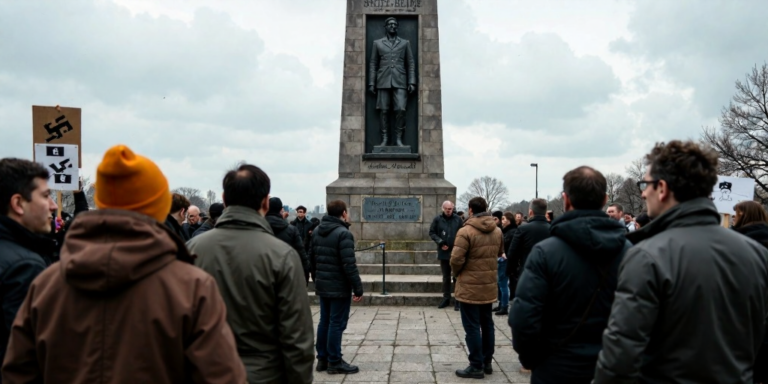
x,y
125,180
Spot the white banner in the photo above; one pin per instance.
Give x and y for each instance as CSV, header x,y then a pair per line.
x,y
730,191
61,160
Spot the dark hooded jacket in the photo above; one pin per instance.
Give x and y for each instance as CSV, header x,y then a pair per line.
x,y
290,235
474,260
555,289
176,228
23,256
690,305
123,305
509,234
332,255
757,232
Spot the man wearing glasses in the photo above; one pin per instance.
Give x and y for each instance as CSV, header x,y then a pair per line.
x,y
692,296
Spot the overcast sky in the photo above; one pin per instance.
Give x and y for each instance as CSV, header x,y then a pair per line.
x,y
198,85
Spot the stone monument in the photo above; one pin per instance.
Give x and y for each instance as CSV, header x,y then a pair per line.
x,y
391,171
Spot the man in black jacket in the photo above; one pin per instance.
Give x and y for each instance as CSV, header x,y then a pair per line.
x,y
525,238
302,224
443,232
692,296
565,292
214,212
287,233
26,209
179,206
336,279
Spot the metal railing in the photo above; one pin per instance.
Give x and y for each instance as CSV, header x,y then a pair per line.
x,y
383,246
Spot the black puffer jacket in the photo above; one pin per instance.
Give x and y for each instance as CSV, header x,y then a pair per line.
x,y
290,235
555,290
22,258
332,255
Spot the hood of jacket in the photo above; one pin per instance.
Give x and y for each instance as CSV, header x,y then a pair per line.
x,y
277,223
483,222
590,233
106,250
697,212
510,227
328,224
10,230
239,216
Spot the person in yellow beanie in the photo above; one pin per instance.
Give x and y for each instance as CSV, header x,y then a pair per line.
x,y
120,270
125,180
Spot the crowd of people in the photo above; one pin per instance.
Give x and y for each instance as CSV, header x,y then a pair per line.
x,y
148,288
603,296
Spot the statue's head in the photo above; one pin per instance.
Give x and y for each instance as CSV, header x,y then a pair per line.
x,y
390,25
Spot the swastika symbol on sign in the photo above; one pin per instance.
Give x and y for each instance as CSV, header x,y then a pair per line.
x,y
56,131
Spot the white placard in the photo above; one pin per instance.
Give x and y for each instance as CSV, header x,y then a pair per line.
x,y
61,161
730,191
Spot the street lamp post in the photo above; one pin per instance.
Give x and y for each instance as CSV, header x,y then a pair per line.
x,y
536,165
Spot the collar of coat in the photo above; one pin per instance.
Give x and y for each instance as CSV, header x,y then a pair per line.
x,y
388,42
14,232
537,218
243,217
692,213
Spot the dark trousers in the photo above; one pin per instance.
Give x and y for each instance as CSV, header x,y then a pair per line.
x,y
334,314
477,320
445,267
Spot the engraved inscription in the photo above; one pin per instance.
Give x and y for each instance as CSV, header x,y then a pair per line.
x,y
386,166
391,209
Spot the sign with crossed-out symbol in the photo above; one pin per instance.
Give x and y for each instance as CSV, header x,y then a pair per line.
x,y
61,160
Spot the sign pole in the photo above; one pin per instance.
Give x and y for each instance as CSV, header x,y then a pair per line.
x,y
59,203
726,223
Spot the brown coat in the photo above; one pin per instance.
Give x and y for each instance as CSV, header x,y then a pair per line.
x,y
474,260
121,308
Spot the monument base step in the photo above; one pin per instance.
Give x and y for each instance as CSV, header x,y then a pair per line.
x,y
399,283
394,299
400,269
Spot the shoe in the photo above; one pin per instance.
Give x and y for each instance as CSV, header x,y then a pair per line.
x,y
322,365
342,367
444,304
488,368
456,306
470,373
496,309
503,312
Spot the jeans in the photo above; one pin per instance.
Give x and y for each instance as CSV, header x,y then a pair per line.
x,y
477,320
503,282
334,313
445,267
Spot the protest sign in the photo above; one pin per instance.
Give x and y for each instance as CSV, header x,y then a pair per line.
x,y
729,191
57,125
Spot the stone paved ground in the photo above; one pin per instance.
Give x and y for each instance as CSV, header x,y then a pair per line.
x,y
416,345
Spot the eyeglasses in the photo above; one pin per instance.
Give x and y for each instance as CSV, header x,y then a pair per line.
x,y
643,184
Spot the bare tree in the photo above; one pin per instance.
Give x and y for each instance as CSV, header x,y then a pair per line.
x,y
193,194
521,206
615,182
629,196
490,188
742,140
211,197
556,205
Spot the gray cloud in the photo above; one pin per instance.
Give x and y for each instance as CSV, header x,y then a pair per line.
x,y
705,45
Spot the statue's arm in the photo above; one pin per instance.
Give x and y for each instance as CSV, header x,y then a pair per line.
x,y
373,64
411,64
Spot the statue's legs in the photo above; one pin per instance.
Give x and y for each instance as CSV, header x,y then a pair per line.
x,y
384,121
400,127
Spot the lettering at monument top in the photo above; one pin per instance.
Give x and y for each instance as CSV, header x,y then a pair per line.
x,y
377,166
401,5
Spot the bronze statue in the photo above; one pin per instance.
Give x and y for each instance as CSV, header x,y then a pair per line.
x,y
392,73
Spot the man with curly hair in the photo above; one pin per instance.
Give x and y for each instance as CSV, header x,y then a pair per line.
x,y
692,296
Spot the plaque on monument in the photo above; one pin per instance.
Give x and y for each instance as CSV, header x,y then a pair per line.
x,y
391,209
